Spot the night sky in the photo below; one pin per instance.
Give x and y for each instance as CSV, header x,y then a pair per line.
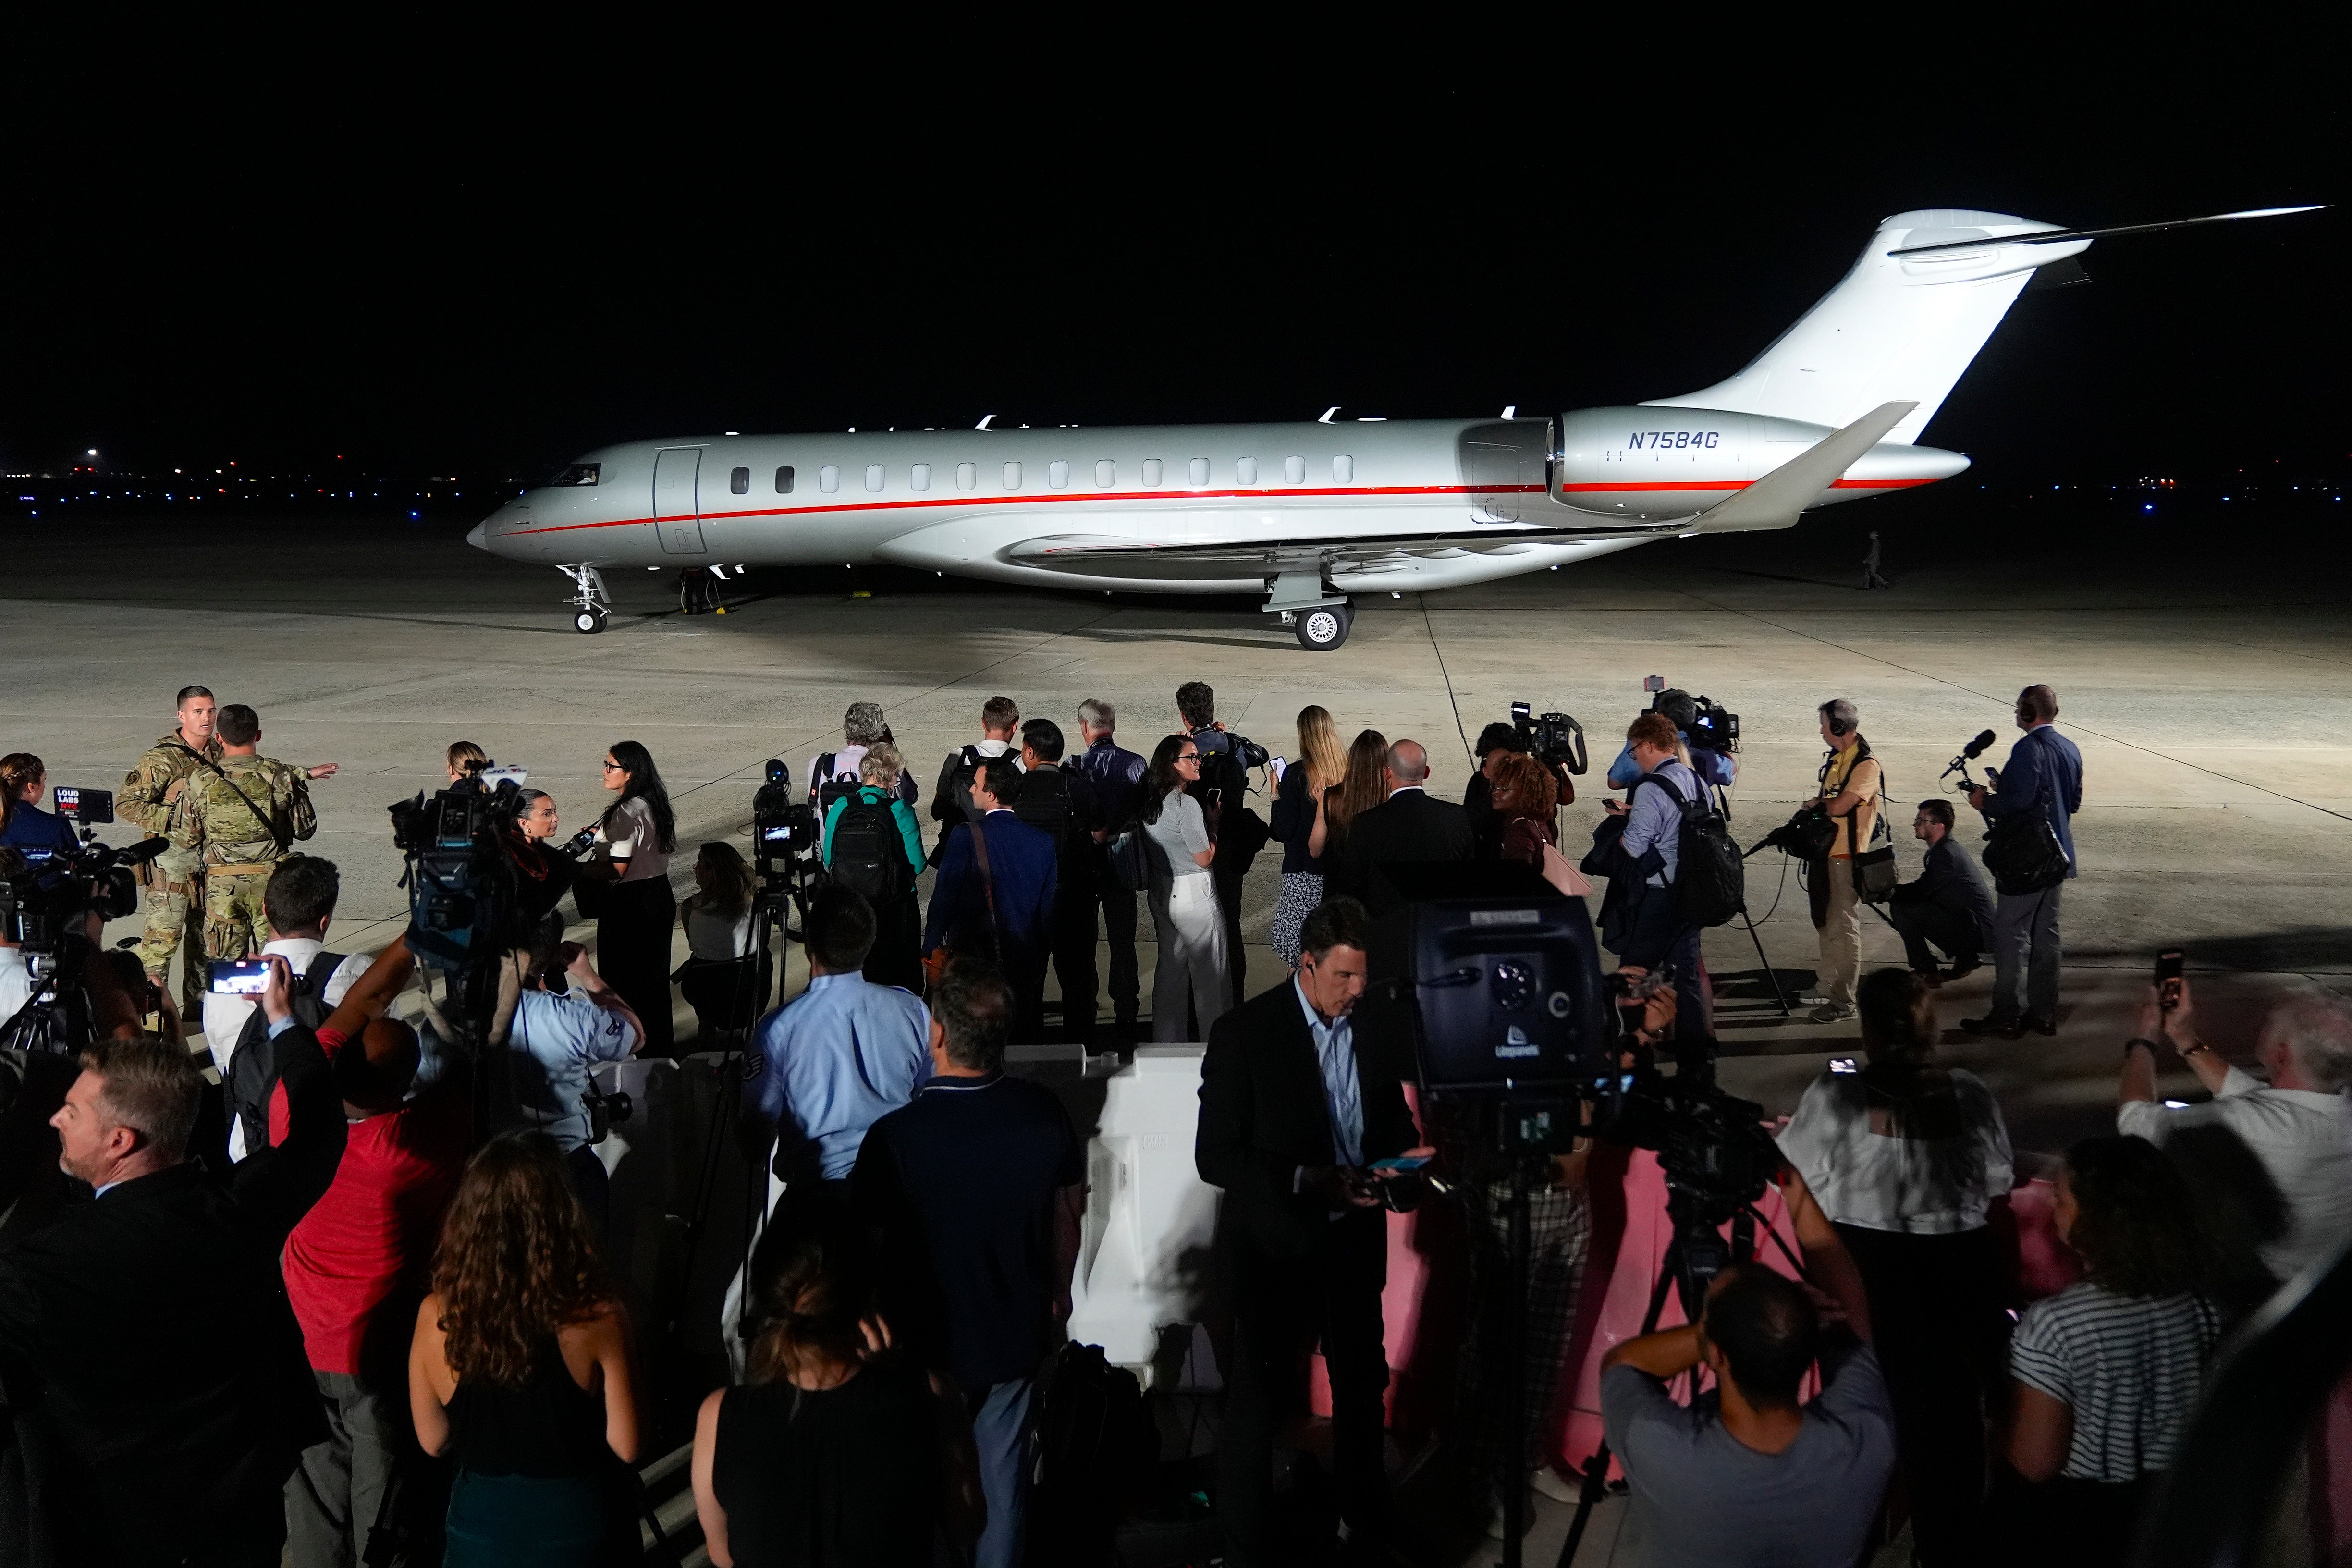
x,y
485,256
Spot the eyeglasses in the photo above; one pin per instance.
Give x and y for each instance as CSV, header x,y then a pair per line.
x,y
612,767
1188,756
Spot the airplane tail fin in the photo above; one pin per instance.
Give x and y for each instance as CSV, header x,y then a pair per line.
x,y
1898,328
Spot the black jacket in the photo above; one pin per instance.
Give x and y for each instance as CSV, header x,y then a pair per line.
x,y
1410,824
153,1366
1263,1115
1950,879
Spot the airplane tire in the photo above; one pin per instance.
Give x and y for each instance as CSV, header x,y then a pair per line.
x,y
588,622
1324,629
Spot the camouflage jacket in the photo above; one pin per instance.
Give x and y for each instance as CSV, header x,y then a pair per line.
x,y
211,818
145,798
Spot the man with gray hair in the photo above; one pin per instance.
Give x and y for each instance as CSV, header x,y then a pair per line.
x,y
2299,1124
861,727
1410,825
1116,775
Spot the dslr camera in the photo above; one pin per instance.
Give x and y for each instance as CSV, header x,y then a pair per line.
x,y
1554,739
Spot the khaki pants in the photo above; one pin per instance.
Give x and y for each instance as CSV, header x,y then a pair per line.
x,y
1840,928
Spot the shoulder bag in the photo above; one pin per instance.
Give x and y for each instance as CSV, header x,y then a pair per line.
x,y
1874,871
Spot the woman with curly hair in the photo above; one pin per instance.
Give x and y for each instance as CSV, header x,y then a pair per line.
x,y
836,1450
1525,798
2106,1372
523,1373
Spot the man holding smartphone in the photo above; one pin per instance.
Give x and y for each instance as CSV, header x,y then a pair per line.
x,y
2045,777
1306,1134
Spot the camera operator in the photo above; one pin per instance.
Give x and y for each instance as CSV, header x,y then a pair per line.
x,y
466,758
1851,783
24,825
1717,769
1949,905
1904,1159
1745,1474
2044,778
242,816
175,881
1221,786
1651,930
636,909
147,1335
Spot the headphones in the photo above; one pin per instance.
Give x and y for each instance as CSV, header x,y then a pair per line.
x,y
1837,726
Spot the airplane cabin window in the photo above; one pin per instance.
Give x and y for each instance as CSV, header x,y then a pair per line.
x,y
1058,475
1012,476
873,476
1245,469
784,480
1200,473
738,482
828,478
1106,474
919,475
967,474
1343,469
1293,471
1151,472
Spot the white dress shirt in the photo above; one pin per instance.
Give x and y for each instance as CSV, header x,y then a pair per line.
x,y
2303,1138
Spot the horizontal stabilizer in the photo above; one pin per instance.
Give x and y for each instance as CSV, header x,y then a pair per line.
x,y
2058,235
1776,500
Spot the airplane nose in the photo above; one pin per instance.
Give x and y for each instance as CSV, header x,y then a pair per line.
x,y
479,536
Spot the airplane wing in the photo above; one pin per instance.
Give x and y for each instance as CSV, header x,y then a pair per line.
x,y
1100,556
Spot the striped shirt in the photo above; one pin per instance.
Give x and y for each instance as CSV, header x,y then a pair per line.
x,y
2129,1367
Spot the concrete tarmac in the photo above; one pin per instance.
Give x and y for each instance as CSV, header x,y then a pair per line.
x,y
2210,698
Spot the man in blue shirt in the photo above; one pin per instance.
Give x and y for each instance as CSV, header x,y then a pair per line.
x,y
1117,775
974,1190
1000,911
558,1040
1656,933
2044,776
833,1060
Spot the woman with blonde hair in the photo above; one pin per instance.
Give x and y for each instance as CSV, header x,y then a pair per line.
x,y
522,1371
1297,814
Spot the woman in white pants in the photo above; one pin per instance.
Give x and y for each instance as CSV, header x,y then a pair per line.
x,y
1183,900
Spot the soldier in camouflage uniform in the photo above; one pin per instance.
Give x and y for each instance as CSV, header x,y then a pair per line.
x,y
150,792
240,817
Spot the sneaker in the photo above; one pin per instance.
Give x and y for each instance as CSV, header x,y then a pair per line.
x,y
2031,1024
2006,1028
1812,999
1831,1012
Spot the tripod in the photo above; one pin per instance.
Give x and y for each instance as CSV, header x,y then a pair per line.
x,y
1522,1133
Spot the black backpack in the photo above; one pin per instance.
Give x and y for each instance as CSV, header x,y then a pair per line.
x,y
1710,876
1091,1448
825,788
253,1066
1044,804
867,852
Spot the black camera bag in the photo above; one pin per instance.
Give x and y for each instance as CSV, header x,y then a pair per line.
x,y
2023,854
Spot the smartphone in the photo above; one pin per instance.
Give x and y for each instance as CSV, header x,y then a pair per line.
x,y
2168,965
1277,765
1844,1064
240,976
1401,1162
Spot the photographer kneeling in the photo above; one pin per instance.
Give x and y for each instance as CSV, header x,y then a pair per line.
x,y
1745,1474
145,1336
1949,905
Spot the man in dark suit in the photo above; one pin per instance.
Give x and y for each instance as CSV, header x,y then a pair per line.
x,y
1949,905
1409,825
156,1374
1116,776
1292,1120
999,909
1058,800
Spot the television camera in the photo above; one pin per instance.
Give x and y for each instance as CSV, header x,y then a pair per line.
x,y
1707,724
1555,740
42,907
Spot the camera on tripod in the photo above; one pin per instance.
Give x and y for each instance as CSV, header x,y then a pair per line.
x,y
1554,739
464,905
41,903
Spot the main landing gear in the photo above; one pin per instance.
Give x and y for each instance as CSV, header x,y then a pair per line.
x,y
1318,614
591,603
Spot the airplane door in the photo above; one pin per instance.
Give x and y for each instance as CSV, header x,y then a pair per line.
x,y
678,522
1503,467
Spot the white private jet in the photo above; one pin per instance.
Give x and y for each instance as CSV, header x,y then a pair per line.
x,y
1311,512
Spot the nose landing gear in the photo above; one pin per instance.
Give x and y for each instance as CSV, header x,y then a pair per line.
x,y
591,603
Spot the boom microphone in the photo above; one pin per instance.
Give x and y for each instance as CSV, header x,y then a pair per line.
x,y
1976,748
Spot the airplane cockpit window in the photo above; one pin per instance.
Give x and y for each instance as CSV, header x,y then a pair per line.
x,y
784,481
1106,474
1293,471
738,482
1245,469
828,478
1057,474
1012,476
577,474
1151,473
1343,469
1199,473
967,474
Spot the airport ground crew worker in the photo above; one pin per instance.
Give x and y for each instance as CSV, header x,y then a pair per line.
x,y
150,792
241,816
